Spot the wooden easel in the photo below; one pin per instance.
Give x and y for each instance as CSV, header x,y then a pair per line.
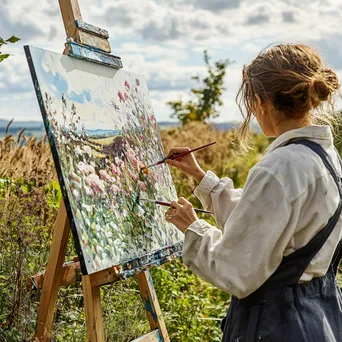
x,y
58,274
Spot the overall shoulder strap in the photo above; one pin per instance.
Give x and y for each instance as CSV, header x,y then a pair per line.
x,y
293,266
320,238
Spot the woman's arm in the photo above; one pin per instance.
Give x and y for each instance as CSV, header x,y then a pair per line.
x,y
250,248
218,195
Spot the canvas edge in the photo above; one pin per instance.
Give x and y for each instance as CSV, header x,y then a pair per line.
x,y
56,160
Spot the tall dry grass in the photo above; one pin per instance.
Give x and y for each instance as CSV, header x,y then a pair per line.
x,y
29,201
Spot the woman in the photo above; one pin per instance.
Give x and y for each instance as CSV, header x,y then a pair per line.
x,y
278,246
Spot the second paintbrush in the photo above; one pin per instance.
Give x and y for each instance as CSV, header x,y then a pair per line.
x,y
167,204
179,155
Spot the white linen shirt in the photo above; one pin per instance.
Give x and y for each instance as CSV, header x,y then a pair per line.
x,y
287,198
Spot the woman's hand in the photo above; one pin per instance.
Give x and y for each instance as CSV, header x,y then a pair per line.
x,y
188,164
181,214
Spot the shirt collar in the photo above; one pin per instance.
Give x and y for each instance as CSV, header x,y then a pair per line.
x,y
320,134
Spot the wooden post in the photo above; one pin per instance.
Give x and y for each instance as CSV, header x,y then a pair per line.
x,y
93,311
53,276
70,12
148,294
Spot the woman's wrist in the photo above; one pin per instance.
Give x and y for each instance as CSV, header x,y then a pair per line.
x,y
199,174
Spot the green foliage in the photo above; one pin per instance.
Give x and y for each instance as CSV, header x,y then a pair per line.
x,y
12,39
206,97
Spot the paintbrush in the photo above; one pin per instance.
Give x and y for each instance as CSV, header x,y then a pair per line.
x,y
167,204
177,155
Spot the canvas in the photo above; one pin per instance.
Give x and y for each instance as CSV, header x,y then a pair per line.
x,y
102,131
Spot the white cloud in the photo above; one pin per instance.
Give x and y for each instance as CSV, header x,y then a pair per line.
x,y
164,40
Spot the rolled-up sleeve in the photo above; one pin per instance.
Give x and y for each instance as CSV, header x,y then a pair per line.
x,y
218,195
242,256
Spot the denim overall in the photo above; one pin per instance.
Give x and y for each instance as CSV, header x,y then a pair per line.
x,y
283,310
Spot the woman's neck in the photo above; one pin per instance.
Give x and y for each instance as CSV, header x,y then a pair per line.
x,y
283,126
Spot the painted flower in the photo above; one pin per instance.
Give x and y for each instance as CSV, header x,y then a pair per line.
x,y
142,186
121,97
89,208
88,191
126,96
78,151
133,159
143,118
95,183
127,85
114,189
141,137
134,176
85,168
87,149
115,169
140,211
75,178
153,118
76,193
137,82
104,175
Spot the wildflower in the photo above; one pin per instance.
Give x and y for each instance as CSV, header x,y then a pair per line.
x,y
76,193
114,189
85,168
142,186
134,176
115,169
95,183
87,149
121,97
140,211
75,177
133,159
89,208
78,151
88,191
104,175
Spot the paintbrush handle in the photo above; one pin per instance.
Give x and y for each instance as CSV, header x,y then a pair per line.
x,y
167,204
183,154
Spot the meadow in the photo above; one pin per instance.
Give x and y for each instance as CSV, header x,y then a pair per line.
x,y
29,201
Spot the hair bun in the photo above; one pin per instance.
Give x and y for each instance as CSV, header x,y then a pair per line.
x,y
322,90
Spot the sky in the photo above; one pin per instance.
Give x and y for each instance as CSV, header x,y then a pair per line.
x,y
165,39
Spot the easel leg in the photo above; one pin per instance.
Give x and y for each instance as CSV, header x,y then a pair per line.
x,y
93,311
53,276
152,307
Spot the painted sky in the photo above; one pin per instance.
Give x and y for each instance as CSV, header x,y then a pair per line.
x,y
164,40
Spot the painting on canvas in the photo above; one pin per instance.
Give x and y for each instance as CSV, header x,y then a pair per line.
x,y
102,131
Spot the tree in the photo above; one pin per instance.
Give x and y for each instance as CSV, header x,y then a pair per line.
x,y
206,97
13,39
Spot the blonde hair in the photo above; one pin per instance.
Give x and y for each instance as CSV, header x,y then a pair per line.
x,y
294,80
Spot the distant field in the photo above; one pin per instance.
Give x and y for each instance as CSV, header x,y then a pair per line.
x,y
103,141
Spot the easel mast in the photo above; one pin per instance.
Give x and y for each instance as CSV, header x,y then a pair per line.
x,y
88,42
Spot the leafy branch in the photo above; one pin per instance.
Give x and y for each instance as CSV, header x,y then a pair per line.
x,y
12,39
206,97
